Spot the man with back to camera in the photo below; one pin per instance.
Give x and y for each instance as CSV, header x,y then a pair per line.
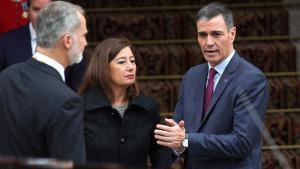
x,y
19,45
221,105
40,115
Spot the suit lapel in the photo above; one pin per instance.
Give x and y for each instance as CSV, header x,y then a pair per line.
x,y
198,100
222,84
28,47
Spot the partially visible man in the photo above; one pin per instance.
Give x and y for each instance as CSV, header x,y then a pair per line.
x,y
222,103
40,115
19,45
13,14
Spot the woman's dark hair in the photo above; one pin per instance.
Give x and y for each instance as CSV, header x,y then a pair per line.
x,y
97,72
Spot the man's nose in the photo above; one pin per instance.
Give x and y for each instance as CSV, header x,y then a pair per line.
x,y
209,41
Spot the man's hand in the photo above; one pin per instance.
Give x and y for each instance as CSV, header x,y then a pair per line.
x,y
171,135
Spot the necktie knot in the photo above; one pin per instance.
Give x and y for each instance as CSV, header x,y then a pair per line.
x,y
211,73
209,88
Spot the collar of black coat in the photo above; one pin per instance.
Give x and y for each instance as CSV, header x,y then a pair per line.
x,y
44,68
95,98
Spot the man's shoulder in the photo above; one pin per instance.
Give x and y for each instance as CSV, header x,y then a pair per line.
x,y
44,78
196,69
11,70
16,33
249,68
247,74
55,86
55,90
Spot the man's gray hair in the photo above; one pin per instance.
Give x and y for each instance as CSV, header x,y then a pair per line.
x,y
214,9
55,20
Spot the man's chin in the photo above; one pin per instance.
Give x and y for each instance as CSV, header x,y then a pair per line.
x,y
78,59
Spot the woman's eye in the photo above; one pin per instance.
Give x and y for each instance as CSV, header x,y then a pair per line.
x,y
121,62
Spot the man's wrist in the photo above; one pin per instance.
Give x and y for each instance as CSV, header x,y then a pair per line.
x,y
180,149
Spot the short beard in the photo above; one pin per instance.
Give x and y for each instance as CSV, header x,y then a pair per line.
x,y
74,57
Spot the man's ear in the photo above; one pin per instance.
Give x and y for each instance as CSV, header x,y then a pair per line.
x,y
67,40
232,33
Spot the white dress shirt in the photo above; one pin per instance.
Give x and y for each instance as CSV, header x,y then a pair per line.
x,y
220,68
33,38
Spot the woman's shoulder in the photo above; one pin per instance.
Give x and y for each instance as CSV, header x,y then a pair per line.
x,y
146,102
93,99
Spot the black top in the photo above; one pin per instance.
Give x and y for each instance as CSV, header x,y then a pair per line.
x,y
128,140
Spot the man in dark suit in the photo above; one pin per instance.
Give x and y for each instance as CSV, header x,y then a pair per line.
x,y
40,115
19,45
218,117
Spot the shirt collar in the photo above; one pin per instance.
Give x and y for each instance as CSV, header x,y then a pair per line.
x,y
220,68
51,62
32,32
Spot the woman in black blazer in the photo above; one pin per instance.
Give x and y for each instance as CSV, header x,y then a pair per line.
x,y
119,121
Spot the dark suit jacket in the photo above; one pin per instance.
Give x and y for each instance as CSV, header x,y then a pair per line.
x,y
40,115
15,47
228,137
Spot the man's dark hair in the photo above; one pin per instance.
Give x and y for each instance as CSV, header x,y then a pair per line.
x,y
214,9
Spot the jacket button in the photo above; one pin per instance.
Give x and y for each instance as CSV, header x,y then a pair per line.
x,y
123,140
113,113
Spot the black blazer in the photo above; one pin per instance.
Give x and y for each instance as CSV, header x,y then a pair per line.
x,y
40,115
130,140
15,47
